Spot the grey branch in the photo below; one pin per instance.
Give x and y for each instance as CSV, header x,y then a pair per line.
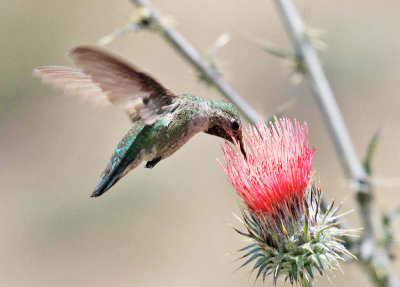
x,y
322,91
191,54
373,256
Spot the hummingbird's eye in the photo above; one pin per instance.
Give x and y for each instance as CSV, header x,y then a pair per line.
x,y
235,125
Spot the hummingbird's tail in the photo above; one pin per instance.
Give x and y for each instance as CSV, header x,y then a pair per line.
x,y
112,174
105,184
126,157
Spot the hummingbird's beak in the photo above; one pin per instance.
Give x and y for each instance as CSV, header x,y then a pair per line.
x,y
242,149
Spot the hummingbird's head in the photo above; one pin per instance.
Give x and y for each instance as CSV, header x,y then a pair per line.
x,y
225,123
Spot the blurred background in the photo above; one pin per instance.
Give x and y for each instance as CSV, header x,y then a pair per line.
x,y
169,226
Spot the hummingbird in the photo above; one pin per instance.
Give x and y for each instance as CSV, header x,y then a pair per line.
x,y
162,122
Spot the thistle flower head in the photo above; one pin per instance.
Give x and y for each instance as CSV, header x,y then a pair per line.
x,y
281,203
277,169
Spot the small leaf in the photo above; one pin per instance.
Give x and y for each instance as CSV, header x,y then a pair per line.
x,y
251,252
294,271
221,41
309,271
276,273
260,261
278,266
248,246
265,273
274,49
261,269
250,259
306,236
242,233
117,33
328,211
318,264
276,240
371,151
291,277
300,262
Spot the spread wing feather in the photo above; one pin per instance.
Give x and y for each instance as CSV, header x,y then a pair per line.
x,y
104,78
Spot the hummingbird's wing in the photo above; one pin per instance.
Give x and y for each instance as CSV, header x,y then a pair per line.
x,y
103,77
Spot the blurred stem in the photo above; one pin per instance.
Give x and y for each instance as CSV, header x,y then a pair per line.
x,y
190,53
373,256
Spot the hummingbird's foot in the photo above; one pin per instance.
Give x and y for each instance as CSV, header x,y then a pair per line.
x,y
153,162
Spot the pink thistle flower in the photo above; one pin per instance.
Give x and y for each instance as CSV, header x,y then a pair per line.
x,y
281,212
277,169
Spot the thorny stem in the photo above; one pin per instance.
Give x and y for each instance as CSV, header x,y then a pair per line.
x,y
373,256
191,54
